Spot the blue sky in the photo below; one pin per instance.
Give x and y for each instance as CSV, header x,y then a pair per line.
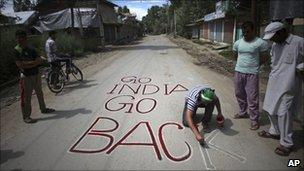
x,y
139,7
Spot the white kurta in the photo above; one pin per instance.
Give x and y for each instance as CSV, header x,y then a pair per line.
x,y
284,88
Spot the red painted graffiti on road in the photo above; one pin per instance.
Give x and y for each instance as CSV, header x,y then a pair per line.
x,y
132,85
109,147
125,101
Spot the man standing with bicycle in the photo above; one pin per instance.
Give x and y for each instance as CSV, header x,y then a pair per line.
x,y
28,61
53,56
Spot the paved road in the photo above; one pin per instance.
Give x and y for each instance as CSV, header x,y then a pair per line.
x,y
127,115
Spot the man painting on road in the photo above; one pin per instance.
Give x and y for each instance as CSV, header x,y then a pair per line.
x,y
204,97
251,53
284,88
28,61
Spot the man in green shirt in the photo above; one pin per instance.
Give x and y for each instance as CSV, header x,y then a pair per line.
x,y
28,61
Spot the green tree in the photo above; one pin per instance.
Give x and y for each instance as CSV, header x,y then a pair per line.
x,y
187,11
125,9
119,10
156,21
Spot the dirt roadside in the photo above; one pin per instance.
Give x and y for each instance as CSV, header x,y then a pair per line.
x,y
204,55
10,94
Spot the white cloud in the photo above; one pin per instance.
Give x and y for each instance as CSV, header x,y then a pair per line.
x,y
140,12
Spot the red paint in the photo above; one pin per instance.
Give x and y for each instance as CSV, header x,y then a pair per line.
x,y
160,135
174,89
126,85
166,89
144,92
123,104
130,104
129,79
111,92
96,133
144,82
135,80
153,144
144,112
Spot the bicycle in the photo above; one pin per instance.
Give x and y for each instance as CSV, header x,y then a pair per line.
x,y
57,77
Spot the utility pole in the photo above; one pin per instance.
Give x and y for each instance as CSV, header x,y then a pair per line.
x,y
79,16
72,17
168,20
254,17
101,29
80,22
174,21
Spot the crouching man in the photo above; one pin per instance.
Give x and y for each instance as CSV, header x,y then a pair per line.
x,y
201,96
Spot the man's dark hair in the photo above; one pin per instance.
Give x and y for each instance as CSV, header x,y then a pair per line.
x,y
20,33
248,24
51,33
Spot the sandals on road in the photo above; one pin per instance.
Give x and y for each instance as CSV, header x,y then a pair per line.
x,y
48,110
255,126
238,116
265,134
282,151
206,128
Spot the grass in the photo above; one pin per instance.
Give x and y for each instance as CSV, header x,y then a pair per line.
x,y
200,42
228,54
66,43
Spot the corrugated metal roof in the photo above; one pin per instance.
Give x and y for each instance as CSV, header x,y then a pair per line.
x,y
21,17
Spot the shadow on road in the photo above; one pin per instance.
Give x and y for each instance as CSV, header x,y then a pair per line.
x,y
298,136
226,129
58,114
145,47
9,154
75,85
264,120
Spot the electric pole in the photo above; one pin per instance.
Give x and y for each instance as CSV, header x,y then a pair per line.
x,y
101,29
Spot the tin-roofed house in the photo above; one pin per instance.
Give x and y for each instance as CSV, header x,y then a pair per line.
x,y
79,14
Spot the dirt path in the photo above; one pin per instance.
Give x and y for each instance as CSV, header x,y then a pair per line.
x,y
127,116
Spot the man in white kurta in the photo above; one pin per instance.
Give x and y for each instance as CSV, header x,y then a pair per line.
x,y
284,89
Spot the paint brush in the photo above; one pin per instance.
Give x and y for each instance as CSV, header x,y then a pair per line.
x,y
202,143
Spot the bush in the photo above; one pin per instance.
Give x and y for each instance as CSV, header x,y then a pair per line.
x,y
8,68
90,44
38,42
228,54
66,42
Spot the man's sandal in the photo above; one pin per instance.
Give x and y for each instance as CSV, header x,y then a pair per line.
x,y
238,116
282,151
206,128
255,126
265,134
48,110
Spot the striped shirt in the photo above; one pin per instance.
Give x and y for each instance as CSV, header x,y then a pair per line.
x,y
193,95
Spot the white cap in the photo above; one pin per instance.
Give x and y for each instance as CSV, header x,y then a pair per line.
x,y
271,29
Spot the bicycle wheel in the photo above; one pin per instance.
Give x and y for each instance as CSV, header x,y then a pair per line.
x,y
76,72
55,81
